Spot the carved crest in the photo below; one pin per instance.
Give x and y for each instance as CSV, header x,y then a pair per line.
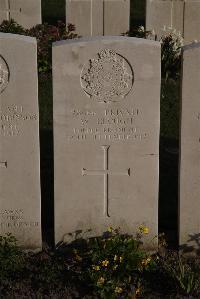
x,y
4,74
108,77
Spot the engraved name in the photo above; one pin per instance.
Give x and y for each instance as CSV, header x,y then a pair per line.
x,y
14,218
12,118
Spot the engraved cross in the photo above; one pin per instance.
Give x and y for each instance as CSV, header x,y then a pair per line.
x,y
8,10
106,173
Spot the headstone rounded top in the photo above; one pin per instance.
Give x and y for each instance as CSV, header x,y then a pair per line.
x,y
108,77
4,74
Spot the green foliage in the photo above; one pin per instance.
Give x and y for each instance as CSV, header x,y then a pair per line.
x,y
12,27
11,257
171,44
116,263
139,32
45,35
186,279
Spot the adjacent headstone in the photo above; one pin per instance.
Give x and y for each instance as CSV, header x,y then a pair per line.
x,y
19,140
158,16
98,17
86,15
189,211
192,21
25,12
178,7
116,17
164,15
182,15
106,135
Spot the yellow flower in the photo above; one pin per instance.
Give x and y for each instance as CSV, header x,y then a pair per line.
x,y
138,291
118,290
115,267
110,229
144,229
78,258
105,263
145,262
97,268
115,258
121,259
101,280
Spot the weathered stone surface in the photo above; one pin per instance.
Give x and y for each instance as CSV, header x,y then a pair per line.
x,y
158,16
98,17
25,12
189,211
19,140
86,16
178,15
192,21
184,16
164,15
116,17
106,134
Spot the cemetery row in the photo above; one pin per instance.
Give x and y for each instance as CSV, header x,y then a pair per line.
x,y
106,137
182,15
108,17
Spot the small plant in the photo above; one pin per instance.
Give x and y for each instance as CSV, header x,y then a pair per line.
x,y
12,27
171,44
185,277
116,263
11,257
45,35
139,32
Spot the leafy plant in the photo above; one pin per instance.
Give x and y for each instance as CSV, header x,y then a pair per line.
x,y
186,279
11,257
45,35
171,44
139,32
116,263
12,27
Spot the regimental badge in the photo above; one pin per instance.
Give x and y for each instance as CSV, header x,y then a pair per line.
x,y
108,77
4,74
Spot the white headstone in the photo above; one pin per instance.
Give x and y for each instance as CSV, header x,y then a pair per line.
x,y
98,17
192,21
164,15
106,134
189,206
19,140
27,13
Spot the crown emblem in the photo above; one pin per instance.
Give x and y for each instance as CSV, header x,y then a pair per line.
x,y
108,77
4,74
